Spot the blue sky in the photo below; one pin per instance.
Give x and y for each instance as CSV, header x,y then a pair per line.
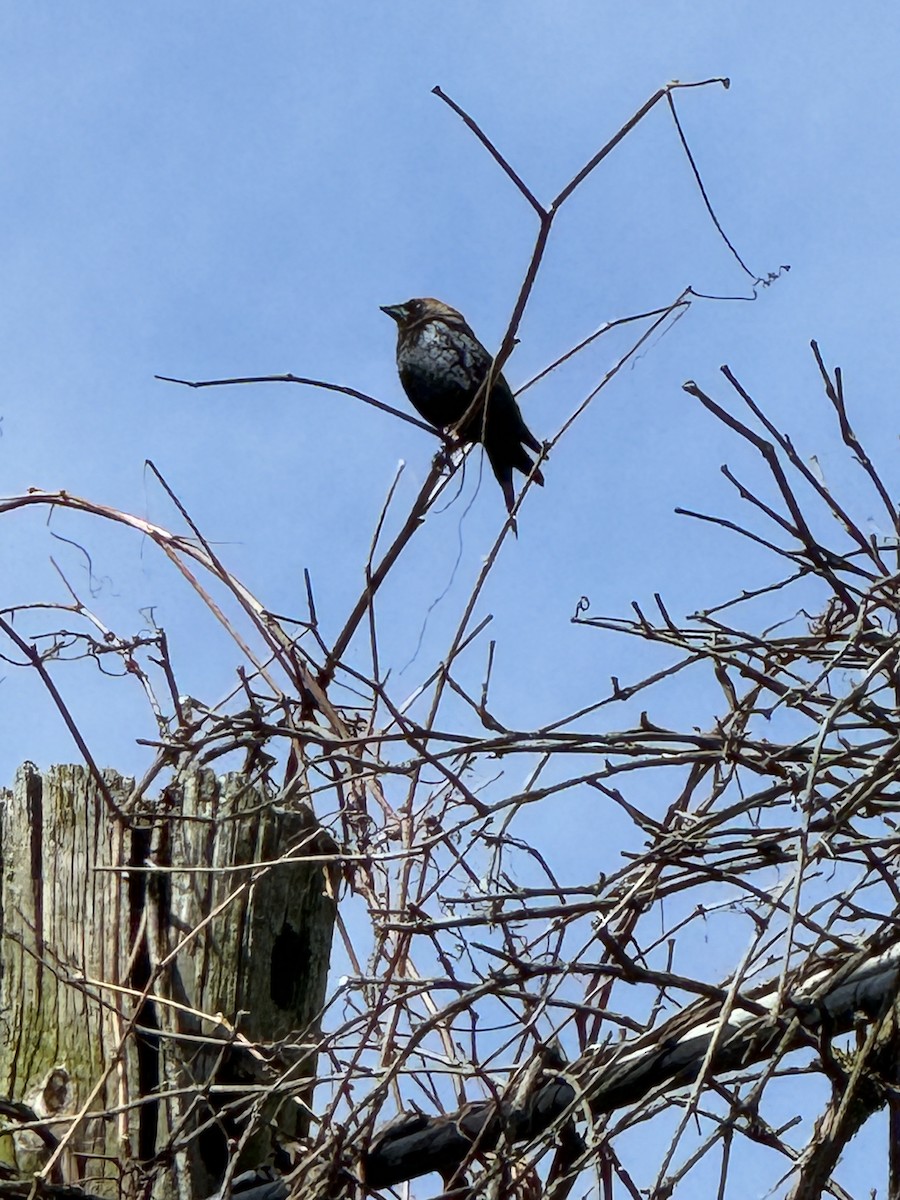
x,y
222,189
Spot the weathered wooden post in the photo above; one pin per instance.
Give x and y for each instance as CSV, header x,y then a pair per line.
x,y
163,967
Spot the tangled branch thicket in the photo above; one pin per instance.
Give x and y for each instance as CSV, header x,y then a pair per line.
x,y
521,1029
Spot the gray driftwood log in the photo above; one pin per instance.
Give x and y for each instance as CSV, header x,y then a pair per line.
x,y
146,949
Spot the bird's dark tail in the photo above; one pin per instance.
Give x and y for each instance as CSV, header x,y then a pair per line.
x,y
530,440
503,470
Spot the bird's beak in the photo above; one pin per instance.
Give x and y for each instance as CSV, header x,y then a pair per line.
x,y
397,311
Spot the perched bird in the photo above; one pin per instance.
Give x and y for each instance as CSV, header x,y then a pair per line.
x,y
442,365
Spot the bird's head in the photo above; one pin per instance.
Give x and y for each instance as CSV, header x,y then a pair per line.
x,y
414,312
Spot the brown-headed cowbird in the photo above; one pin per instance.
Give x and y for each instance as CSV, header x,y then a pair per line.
x,y
442,365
